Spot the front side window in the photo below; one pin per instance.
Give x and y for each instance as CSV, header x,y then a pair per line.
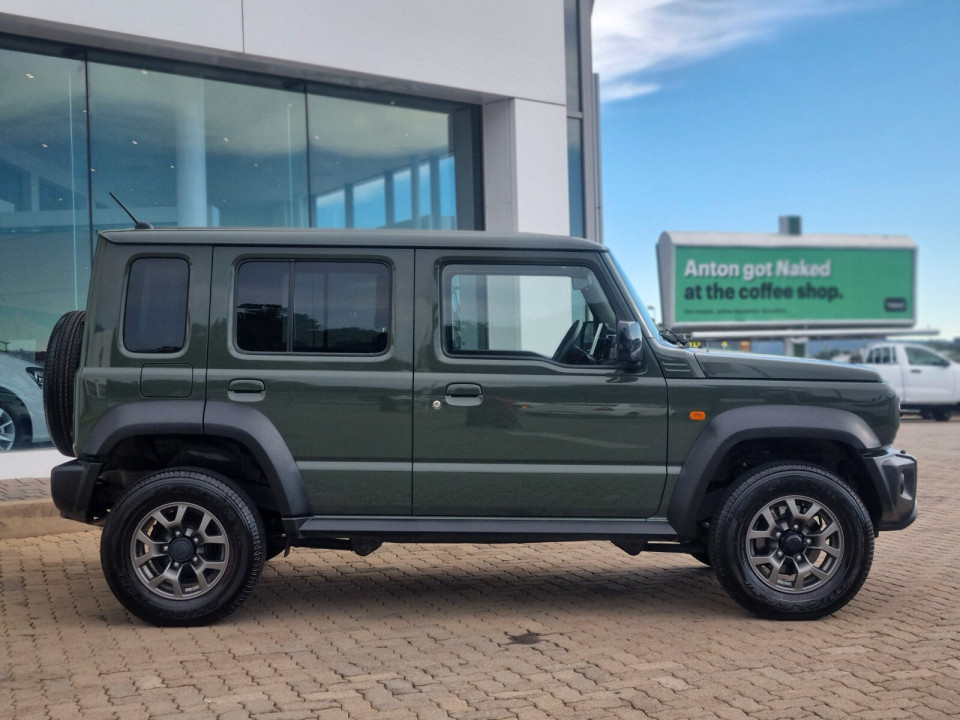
x,y
561,313
919,356
313,307
155,314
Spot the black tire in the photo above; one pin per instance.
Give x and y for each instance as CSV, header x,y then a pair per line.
x,y
14,424
205,554
792,542
59,376
941,415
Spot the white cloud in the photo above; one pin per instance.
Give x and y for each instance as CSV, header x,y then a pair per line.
x,y
631,37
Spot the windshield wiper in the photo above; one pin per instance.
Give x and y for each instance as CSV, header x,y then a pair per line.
x,y
673,338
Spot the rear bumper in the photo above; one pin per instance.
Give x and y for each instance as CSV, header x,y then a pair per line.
x,y
894,475
71,487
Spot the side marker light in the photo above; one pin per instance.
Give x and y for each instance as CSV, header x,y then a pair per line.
x,y
698,415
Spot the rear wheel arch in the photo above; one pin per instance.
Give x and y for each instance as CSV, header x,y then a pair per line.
x,y
137,439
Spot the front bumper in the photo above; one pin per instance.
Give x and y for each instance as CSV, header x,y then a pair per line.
x,y
894,475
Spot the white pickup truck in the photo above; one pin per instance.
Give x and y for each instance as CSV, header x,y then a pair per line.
x,y
925,381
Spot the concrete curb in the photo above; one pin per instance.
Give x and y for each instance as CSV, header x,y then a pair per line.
x,y
34,518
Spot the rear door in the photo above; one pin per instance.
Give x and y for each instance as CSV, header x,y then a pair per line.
x,y
520,409
319,341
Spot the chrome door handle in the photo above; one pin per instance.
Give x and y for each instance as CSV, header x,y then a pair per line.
x,y
246,390
464,394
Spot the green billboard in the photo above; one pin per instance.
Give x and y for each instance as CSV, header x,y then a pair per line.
x,y
713,285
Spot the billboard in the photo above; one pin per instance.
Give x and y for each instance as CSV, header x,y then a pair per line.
x,y
763,281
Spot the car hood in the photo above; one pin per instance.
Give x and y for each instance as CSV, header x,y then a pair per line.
x,y
740,366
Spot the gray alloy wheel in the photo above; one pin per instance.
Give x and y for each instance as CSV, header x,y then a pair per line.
x,y
794,544
180,551
182,547
791,542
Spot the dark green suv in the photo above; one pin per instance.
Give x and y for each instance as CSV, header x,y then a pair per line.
x,y
230,393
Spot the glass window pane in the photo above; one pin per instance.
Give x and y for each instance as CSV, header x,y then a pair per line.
x,y
192,151
155,314
370,204
528,312
358,147
331,210
45,239
575,170
263,297
403,198
341,307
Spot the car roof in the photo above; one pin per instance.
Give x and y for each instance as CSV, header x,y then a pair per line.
x,y
460,239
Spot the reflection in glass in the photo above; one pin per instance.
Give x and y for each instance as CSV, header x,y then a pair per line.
x,y
575,169
394,165
207,147
196,152
155,315
44,220
340,308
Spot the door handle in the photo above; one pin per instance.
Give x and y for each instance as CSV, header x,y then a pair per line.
x,y
246,390
464,394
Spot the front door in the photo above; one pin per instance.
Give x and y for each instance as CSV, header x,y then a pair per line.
x,y
520,408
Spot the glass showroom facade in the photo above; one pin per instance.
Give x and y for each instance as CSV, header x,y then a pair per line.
x,y
192,146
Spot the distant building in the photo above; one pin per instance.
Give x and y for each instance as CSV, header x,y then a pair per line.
x,y
416,114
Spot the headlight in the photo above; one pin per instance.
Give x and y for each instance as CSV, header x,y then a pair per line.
x,y
37,374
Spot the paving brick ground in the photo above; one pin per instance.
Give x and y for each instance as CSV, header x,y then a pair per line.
x,y
428,632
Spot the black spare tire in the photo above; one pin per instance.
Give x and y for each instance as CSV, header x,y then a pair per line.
x,y
59,373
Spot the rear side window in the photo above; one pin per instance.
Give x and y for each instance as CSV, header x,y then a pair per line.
x,y
314,307
155,316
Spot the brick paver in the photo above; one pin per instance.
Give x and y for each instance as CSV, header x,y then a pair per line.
x,y
429,632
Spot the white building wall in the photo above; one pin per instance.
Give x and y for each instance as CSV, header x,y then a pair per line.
x,y
506,54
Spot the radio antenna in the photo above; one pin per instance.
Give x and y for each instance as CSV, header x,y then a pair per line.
x,y
136,223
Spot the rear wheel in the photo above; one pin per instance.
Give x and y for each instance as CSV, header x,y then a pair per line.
x,y
182,548
941,415
792,542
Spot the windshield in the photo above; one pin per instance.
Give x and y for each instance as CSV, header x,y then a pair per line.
x,y
637,300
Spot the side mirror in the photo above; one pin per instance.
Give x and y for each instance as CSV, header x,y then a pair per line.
x,y
629,342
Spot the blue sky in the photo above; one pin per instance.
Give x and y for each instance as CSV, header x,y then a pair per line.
x,y
722,115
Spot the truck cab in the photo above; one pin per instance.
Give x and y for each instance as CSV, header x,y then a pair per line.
x,y
925,381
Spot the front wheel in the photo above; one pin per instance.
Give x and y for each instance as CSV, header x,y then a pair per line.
x,y
792,542
182,547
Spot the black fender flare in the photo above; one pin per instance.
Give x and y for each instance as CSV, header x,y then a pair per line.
x,y
233,421
764,422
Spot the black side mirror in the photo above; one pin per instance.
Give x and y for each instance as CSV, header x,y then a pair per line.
x,y
629,342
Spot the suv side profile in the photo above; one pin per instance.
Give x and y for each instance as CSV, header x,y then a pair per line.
x,y
231,393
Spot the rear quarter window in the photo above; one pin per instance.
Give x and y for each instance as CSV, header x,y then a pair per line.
x,y
155,310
